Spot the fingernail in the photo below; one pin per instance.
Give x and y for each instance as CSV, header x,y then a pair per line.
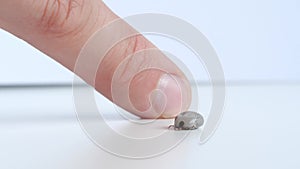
x,y
172,95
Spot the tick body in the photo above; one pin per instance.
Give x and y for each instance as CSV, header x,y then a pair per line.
x,y
188,120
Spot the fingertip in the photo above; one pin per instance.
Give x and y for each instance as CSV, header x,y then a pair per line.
x,y
170,96
176,93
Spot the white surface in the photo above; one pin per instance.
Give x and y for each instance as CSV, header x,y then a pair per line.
x,y
255,40
260,129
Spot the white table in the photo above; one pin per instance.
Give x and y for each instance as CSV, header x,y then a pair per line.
x,y
260,129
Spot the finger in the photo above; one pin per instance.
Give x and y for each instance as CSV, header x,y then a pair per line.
x,y
61,28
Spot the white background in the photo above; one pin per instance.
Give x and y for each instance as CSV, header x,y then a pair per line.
x,y
255,40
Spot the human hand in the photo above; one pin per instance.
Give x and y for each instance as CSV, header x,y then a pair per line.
x,y
60,29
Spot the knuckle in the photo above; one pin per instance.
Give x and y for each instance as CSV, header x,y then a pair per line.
x,y
61,17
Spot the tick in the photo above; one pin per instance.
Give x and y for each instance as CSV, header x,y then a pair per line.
x,y
188,120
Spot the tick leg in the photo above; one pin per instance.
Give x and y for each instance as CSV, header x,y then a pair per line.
x,y
178,128
171,127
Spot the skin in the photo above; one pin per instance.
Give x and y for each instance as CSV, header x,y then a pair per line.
x,y
60,29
